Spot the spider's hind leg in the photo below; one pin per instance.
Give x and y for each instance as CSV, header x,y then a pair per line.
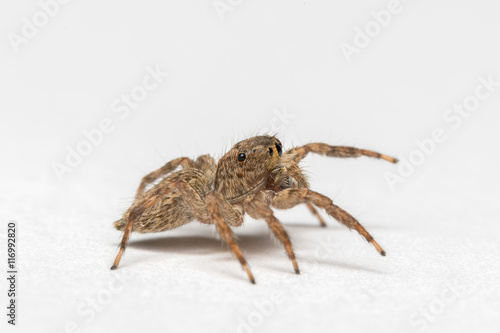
x,y
135,214
163,171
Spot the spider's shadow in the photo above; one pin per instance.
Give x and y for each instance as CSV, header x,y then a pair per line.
x,y
196,245
331,225
252,245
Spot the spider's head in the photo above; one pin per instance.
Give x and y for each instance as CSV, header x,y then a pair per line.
x,y
247,166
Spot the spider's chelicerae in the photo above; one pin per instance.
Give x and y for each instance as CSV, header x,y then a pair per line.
x,y
253,177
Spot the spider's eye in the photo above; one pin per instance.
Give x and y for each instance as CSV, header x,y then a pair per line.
x,y
278,148
241,157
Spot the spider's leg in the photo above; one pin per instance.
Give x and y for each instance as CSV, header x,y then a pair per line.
x,y
168,205
194,202
298,153
292,197
207,165
135,214
163,171
315,213
259,209
212,201
198,208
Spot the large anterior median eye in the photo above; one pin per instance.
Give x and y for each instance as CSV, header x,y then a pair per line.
x,y
241,157
278,148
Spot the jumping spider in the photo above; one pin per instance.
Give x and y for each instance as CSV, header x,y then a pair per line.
x,y
252,177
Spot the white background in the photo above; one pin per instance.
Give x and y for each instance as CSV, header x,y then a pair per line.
x,y
227,79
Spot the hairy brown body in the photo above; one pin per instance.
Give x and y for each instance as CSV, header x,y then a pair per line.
x,y
251,178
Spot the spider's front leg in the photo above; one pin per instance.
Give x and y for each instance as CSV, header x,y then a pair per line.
x,y
298,153
258,208
214,201
292,197
315,213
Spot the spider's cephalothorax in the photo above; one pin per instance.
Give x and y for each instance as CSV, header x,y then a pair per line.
x,y
247,167
251,178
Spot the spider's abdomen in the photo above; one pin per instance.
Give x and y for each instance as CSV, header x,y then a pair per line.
x,y
164,206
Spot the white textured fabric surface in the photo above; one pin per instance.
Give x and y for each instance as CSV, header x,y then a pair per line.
x,y
268,66
441,272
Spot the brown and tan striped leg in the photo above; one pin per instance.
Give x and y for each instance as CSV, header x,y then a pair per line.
x,y
231,214
259,209
194,202
163,171
135,214
207,165
213,204
315,213
290,198
298,153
